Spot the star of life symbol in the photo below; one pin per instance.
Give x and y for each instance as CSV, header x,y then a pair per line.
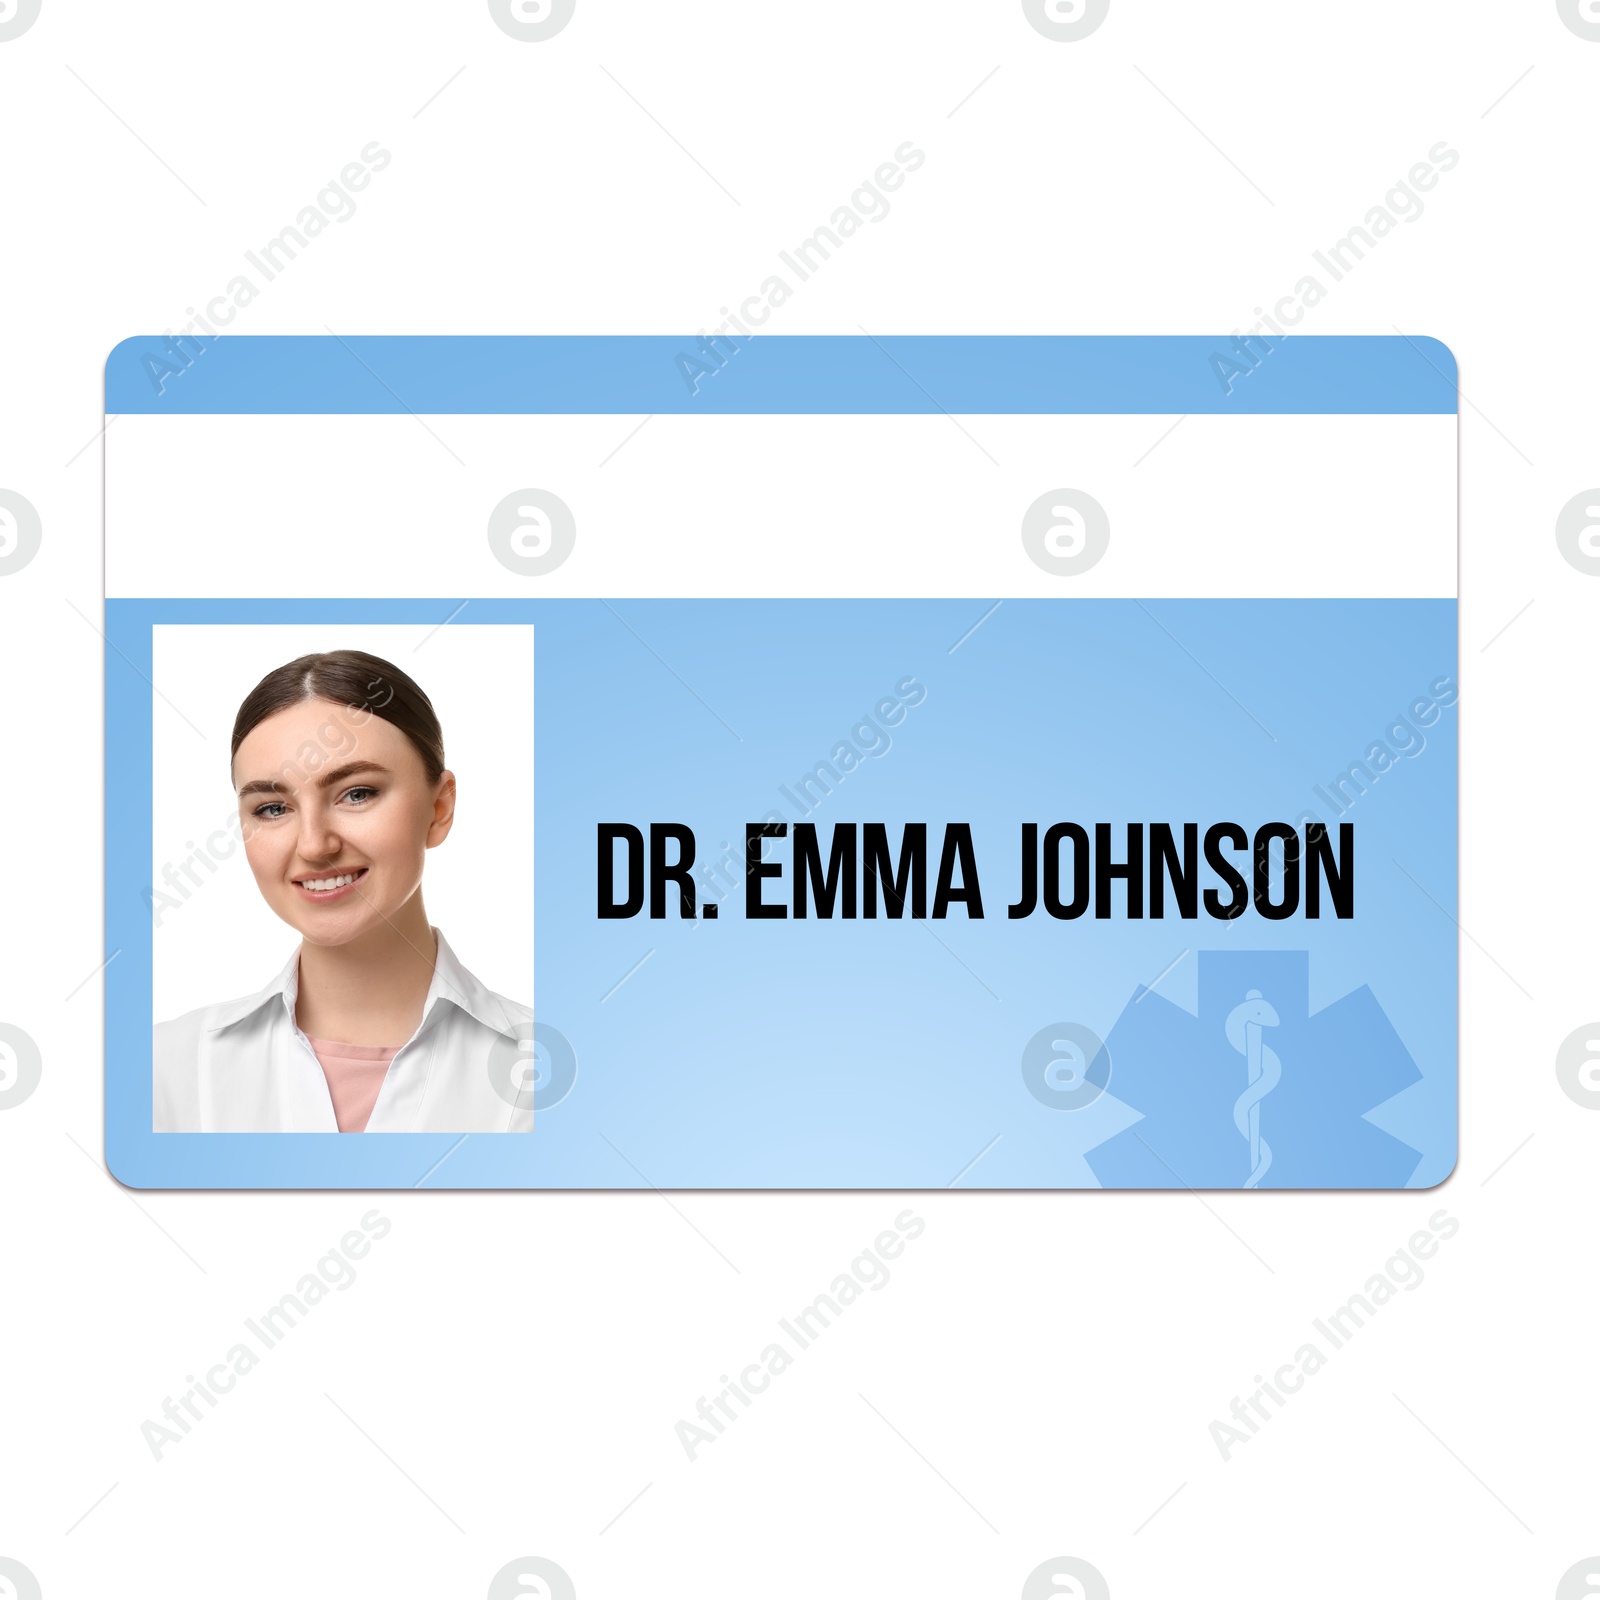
x,y
1218,1108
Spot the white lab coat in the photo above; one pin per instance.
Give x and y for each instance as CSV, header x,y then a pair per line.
x,y
245,1066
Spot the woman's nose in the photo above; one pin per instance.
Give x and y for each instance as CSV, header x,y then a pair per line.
x,y
319,840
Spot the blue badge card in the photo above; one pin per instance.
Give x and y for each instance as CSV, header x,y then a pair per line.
x,y
734,762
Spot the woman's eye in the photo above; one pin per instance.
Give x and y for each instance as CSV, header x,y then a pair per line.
x,y
360,794
271,811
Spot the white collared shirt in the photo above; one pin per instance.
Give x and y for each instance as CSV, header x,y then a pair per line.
x,y
246,1067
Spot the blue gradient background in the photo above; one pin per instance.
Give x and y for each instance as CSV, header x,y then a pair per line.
x,y
776,374
871,1054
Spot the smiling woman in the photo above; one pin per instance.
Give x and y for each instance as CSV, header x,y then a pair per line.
x,y
374,1025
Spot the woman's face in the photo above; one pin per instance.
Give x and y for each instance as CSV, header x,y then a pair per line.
x,y
337,812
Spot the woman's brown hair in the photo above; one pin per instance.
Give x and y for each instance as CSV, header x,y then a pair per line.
x,y
350,678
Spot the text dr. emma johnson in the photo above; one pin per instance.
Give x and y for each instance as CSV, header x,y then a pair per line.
x,y
374,1025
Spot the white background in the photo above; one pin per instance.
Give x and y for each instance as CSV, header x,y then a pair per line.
x,y
223,942
826,505
504,1377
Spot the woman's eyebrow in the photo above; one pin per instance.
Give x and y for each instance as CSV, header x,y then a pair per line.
x,y
260,786
338,774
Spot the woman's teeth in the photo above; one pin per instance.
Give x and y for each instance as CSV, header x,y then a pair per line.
x,y
320,884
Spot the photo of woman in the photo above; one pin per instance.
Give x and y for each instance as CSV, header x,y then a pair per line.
x,y
373,1025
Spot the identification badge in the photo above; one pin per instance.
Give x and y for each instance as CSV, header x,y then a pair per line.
x,y
873,762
